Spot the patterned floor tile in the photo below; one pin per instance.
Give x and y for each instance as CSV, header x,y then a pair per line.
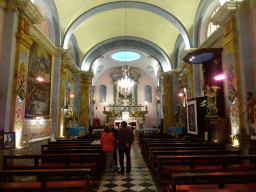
x,y
138,180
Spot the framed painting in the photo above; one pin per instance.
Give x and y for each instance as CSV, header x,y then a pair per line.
x,y
192,118
1,139
9,140
38,98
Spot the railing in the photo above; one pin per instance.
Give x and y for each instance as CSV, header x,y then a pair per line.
x,y
118,108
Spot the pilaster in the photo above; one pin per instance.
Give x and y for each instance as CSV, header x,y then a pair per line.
x,y
167,100
230,45
84,98
23,44
7,65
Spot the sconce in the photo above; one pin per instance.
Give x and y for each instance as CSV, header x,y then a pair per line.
x,y
93,100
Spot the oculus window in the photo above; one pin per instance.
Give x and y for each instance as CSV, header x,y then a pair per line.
x,y
125,56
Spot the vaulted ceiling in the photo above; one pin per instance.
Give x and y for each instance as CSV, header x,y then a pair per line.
x,y
159,22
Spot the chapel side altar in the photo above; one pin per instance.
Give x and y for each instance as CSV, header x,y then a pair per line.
x,y
129,113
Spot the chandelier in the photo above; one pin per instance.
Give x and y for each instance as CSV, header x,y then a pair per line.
x,y
125,84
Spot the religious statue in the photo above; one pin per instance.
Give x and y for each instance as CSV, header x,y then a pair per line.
x,y
212,100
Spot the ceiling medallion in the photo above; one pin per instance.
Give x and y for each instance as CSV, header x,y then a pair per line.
x,y
100,69
150,69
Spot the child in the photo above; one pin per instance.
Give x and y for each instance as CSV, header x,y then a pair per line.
x,y
107,144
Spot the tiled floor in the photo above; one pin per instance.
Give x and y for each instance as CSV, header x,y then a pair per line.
x,y
139,180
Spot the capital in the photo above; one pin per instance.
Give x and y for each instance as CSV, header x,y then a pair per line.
x,y
85,74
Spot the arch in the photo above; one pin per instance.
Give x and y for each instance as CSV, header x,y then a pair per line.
x,y
127,4
198,21
128,43
176,51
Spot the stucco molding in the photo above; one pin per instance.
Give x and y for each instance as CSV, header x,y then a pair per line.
x,y
31,11
3,4
225,13
213,38
43,40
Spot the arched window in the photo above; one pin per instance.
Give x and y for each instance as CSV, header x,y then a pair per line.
x,y
102,93
211,28
148,93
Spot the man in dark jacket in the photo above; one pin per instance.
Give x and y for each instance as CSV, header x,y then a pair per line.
x,y
125,139
115,133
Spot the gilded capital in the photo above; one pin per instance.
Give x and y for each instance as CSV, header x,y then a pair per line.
x,y
85,74
31,11
12,6
3,4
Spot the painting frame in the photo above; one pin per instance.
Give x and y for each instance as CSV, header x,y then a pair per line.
x,y
39,94
9,140
192,117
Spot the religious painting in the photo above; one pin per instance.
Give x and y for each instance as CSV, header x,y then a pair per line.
x,y
192,118
9,140
1,139
38,98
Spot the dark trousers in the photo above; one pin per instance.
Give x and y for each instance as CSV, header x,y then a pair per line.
x,y
127,152
115,155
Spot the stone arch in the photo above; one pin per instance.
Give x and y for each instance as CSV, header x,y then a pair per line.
x,y
128,43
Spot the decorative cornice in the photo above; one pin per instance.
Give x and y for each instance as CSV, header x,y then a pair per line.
x,y
11,6
3,4
85,74
226,12
213,38
31,11
43,40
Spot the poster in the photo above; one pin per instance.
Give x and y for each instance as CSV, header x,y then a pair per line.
x,y
192,118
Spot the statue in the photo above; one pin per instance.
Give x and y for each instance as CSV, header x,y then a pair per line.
x,y
212,101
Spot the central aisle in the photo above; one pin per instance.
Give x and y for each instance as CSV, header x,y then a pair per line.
x,y
139,180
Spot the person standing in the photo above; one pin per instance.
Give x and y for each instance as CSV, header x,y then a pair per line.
x,y
250,109
106,142
125,139
115,133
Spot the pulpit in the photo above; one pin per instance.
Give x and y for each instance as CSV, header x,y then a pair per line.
x,y
217,129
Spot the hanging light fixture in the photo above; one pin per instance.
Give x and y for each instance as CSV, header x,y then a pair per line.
x,y
125,84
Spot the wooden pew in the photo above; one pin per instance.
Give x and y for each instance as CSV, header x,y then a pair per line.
x,y
42,184
70,142
70,151
168,165
157,154
55,146
151,149
168,144
221,179
144,140
53,161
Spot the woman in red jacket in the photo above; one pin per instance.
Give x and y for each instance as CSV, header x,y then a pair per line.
x,y
107,143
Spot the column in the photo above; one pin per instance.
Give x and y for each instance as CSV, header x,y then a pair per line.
x,y
233,71
61,123
56,100
7,65
158,104
245,53
167,100
92,102
84,98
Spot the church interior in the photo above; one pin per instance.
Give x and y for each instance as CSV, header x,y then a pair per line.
x,y
180,73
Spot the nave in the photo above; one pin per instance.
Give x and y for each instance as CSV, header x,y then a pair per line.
x,y
138,180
